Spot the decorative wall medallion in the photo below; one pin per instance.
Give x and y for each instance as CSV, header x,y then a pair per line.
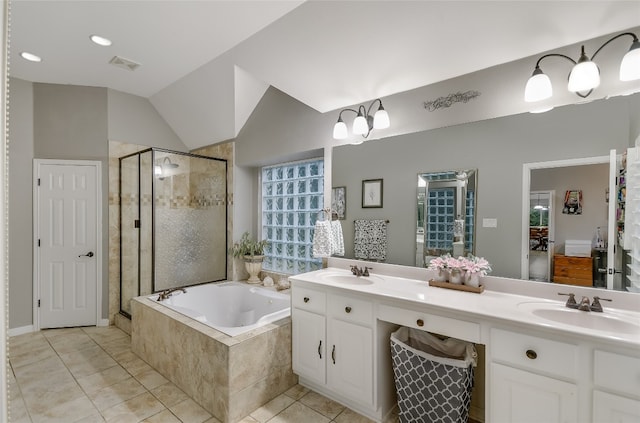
x,y
450,100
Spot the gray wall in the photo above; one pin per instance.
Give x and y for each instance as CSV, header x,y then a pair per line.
x,y
134,120
497,148
70,122
50,121
593,180
20,203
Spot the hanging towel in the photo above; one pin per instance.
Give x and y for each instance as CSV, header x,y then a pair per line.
x,y
370,240
337,240
322,239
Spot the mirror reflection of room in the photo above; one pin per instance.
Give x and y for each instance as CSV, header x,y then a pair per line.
x,y
568,242
446,214
539,231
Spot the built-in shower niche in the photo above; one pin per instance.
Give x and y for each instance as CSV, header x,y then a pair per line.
x,y
173,222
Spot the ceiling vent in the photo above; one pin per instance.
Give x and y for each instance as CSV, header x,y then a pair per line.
x,y
123,63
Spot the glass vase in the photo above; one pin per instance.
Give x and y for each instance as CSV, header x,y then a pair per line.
x,y
456,276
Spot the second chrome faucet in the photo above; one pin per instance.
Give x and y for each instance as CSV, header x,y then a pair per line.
x,y
585,304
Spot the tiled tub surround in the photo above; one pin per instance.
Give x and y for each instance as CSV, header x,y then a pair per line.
x,y
228,376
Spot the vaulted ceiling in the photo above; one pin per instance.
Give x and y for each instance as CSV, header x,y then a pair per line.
x,y
215,58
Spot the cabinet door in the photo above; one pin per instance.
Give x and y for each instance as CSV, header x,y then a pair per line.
x,y
350,360
523,397
609,408
309,345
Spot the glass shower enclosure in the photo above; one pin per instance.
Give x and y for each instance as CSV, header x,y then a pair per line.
x,y
173,222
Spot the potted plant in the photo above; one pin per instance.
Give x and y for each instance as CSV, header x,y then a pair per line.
x,y
252,252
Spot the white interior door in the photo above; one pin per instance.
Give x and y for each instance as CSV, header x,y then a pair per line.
x,y
67,247
613,275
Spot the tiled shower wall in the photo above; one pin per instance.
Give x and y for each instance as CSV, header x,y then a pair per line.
x,y
120,149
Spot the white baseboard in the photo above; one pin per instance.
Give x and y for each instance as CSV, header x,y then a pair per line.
x,y
103,322
20,331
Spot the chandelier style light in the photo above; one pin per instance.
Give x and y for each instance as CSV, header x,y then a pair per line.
x,y
364,121
585,74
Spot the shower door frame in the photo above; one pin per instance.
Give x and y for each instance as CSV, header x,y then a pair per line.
x,y
153,151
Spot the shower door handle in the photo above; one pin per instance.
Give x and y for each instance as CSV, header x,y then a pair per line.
x,y
89,254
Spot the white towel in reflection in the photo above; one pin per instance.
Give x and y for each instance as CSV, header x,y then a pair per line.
x,y
337,240
322,239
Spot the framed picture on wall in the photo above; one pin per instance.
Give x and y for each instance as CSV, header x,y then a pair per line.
x,y
339,201
372,193
572,202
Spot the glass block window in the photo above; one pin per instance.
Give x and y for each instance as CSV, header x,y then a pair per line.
x,y
292,195
469,220
440,216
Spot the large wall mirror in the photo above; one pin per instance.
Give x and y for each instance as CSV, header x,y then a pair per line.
x,y
497,150
446,204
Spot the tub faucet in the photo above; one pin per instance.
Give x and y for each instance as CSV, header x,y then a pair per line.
x,y
168,292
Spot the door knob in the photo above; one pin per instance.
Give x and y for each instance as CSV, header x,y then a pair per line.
x,y
89,254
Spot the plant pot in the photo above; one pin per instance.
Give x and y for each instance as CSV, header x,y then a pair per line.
x,y
253,264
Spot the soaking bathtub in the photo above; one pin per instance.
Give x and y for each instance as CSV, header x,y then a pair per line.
x,y
227,345
232,308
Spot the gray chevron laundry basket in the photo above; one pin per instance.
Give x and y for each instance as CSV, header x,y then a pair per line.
x,y
433,376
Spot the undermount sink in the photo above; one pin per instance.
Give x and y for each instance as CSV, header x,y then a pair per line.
x,y
347,279
608,320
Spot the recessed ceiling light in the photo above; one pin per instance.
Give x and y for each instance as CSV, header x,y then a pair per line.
x,y
101,41
30,57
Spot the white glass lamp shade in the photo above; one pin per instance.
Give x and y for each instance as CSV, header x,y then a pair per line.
x,y
630,65
381,119
360,126
340,130
538,87
584,76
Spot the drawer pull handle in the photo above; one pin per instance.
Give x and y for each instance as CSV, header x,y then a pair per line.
x,y
305,299
347,309
532,354
320,349
420,322
333,354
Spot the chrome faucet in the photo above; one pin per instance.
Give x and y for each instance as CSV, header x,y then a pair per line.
x,y
360,272
571,301
596,306
585,305
168,292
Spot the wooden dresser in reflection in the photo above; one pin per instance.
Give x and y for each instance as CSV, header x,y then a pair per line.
x,y
573,270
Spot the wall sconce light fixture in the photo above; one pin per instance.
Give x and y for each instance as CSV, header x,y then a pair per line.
x,y
364,121
585,74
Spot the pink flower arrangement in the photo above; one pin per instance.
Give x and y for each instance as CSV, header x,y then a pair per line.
x,y
469,264
477,265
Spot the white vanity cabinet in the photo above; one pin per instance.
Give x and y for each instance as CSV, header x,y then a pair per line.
x,y
333,345
616,395
533,379
350,340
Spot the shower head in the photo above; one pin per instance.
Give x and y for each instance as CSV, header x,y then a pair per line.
x,y
166,163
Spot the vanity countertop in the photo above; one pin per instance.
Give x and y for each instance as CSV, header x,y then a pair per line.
x,y
613,325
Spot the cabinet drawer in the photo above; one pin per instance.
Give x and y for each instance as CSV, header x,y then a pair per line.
x,y
351,309
309,299
530,352
571,261
573,281
617,372
460,329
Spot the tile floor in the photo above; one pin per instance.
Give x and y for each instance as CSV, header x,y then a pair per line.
x,y
91,375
